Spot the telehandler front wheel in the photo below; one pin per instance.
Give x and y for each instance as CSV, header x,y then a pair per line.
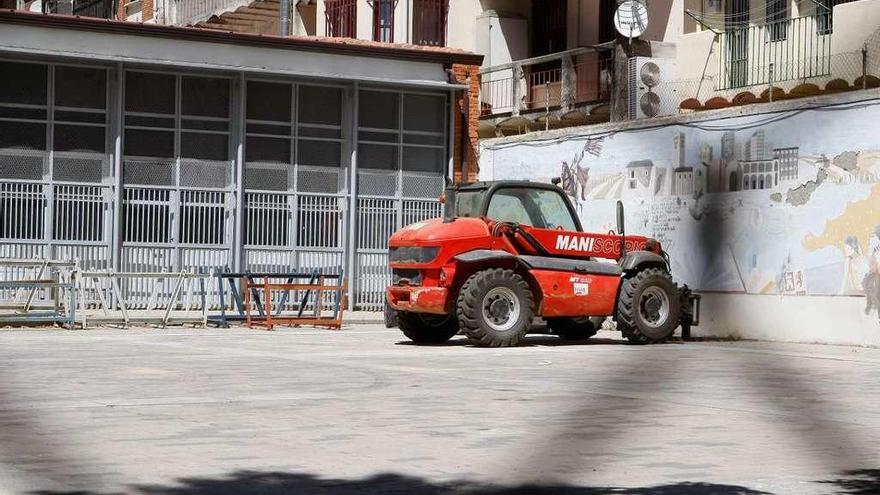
x,y
495,307
426,328
648,306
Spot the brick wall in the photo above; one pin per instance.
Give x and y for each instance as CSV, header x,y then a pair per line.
x,y
470,75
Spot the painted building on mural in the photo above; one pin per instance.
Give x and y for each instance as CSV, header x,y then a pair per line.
x,y
792,207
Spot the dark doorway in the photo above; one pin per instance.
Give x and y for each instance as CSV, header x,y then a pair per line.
x,y
548,27
607,32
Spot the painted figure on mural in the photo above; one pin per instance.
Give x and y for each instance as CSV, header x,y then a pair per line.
x,y
855,267
575,177
871,282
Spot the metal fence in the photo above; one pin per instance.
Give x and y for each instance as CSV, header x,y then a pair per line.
x,y
797,48
563,79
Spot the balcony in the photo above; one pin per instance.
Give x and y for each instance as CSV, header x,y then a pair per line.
x,y
557,90
790,49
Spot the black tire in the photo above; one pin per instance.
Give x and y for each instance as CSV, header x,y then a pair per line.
x,y
487,311
427,328
573,329
640,294
390,316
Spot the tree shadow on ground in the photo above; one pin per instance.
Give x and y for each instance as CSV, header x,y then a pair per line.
x,y
277,483
857,482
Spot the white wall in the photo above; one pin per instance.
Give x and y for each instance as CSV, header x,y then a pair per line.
x,y
788,262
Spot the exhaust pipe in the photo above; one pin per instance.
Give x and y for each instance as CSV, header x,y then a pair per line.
x,y
620,228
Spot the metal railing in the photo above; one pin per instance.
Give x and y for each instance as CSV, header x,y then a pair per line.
x,y
560,80
797,48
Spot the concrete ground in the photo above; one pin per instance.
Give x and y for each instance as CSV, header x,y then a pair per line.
x,y
302,411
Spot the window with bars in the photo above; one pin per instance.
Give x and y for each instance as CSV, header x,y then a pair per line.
x,y
401,133
777,19
340,18
383,20
824,15
177,130
176,158
293,165
430,21
736,49
293,137
23,120
60,108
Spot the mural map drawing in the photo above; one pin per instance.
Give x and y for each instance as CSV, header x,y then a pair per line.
x,y
785,203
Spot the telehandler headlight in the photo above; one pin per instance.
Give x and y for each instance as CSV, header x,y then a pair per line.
x,y
412,254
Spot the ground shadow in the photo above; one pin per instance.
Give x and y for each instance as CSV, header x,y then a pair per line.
x,y
277,483
530,340
857,482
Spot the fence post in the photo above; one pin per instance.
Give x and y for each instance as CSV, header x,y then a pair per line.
x,y
517,90
547,106
770,87
865,66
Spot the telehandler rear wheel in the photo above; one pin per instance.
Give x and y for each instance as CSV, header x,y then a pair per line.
x,y
427,328
581,328
648,306
495,307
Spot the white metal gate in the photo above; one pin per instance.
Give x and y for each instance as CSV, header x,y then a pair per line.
x,y
178,191
55,192
402,154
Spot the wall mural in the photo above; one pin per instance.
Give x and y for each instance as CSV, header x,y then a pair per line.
x,y
785,203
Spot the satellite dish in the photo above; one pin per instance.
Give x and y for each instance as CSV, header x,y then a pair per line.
x,y
650,104
631,18
650,74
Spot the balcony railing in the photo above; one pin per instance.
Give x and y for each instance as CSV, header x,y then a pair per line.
x,y
797,48
557,81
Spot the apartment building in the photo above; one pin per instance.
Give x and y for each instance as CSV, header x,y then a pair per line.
x,y
149,148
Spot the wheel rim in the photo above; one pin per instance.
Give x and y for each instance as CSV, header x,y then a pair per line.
x,y
654,307
500,308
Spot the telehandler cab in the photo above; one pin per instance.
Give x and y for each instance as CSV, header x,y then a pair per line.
x,y
507,251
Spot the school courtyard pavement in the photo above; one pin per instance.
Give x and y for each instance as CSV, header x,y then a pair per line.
x,y
361,411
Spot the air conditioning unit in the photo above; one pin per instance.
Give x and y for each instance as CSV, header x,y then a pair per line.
x,y
651,89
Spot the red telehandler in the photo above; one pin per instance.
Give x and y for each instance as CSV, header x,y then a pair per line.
x,y
507,251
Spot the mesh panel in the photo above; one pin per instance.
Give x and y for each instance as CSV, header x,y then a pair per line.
x,y
77,169
326,181
377,183
422,186
266,176
160,173
21,167
203,173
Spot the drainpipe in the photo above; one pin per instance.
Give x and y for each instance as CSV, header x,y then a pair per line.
x,y
465,115
465,135
285,18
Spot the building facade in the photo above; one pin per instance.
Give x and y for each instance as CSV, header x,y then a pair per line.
x,y
149,148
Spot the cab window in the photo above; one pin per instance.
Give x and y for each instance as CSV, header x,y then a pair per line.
x,y
542,208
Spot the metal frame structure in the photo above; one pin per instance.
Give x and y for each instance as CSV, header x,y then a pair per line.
x,y
50,218
47,275
311,294
103,298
